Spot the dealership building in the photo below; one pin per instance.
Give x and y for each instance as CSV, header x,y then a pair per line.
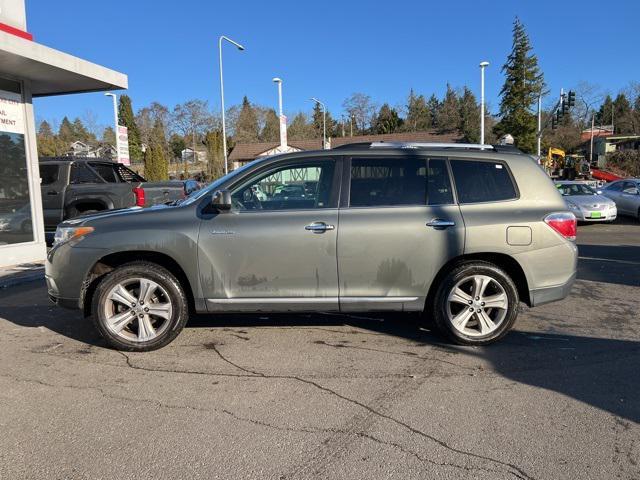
x,y
28,70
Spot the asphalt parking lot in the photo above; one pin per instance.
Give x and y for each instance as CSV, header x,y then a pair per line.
x,y
333,396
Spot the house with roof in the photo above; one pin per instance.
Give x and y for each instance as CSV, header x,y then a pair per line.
x,y
246,152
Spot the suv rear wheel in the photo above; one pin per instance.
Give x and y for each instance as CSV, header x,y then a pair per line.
x,y
139,306
476,304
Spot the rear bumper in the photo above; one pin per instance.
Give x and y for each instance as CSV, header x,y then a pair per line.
x,y
544,295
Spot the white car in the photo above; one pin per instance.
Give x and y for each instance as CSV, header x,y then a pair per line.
x,y
586,204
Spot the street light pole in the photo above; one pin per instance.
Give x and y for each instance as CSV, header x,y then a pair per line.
x,y
115,119
324,122
482,67
224,128
283,124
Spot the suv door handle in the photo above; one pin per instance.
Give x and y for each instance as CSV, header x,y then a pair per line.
x,y
52,192
319,227
440,223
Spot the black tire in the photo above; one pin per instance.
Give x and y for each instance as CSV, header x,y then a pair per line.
x,y
439,311
157,274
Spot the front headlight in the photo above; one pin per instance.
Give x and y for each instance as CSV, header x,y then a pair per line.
x,y
64,234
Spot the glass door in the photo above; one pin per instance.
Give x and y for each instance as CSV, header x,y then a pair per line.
x,y
16,224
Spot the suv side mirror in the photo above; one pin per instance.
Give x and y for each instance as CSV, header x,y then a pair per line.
x,y
631,191
221,200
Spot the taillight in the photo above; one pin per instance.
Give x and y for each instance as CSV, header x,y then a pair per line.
x,y
139,193
564,223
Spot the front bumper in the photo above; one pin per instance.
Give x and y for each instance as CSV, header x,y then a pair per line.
x,y
587,215
66,269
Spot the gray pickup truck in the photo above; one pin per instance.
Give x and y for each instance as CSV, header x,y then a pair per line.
x,y
77,186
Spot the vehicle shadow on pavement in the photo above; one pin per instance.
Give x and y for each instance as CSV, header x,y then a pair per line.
x,y
619,264
599,372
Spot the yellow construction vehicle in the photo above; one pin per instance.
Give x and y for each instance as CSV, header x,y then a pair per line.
x,y
566,167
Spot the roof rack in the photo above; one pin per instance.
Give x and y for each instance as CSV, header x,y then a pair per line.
x,y
419,145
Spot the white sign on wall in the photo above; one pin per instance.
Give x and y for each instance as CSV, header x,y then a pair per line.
x,y
122,145
11,116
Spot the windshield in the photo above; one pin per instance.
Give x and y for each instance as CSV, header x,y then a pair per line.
x,y
573,189
198,194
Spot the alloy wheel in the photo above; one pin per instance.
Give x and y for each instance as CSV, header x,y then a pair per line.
x,y
477,305
137,309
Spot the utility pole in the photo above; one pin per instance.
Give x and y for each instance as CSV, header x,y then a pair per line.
x,y
593,119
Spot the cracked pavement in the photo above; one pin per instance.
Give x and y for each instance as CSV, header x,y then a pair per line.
x,y
333,396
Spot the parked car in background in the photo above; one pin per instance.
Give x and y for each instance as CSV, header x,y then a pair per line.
x,y
73,187
16,221
626,194
585,202
461,233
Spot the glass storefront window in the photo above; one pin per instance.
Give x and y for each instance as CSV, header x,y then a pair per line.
x,y
16,224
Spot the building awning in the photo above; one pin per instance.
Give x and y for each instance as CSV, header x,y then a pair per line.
x,y
52,72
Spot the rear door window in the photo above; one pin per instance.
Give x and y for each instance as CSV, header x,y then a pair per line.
x,y
383,182
482,181
106,171
80,173
49,174
439,190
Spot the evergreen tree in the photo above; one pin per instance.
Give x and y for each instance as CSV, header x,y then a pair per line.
x,y
300,129
109,136
524,82
81,133
433,107
247,128
317,123
386,121
47,141
126,119
604,114
215,164
271,129
623,115
469,117
418,115
65,132
176,146
156,167
449,113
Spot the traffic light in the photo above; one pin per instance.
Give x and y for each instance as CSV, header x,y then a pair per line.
x,y
554,123
565,107
559,115
571,98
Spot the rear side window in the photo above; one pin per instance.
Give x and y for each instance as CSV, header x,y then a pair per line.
x,y
80,173
49,174
377,182
105,171
481,181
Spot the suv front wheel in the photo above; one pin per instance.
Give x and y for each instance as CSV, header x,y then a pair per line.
x,y
139,306
476,304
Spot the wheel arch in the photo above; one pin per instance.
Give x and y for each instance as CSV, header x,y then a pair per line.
x,y
509,264
112,261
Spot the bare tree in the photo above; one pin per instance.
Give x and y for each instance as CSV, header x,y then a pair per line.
x,y
192,120
361,108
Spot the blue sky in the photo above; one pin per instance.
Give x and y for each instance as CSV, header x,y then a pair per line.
x,y
330,49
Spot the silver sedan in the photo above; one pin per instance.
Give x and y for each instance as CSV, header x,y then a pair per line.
x,y
626,195
586,204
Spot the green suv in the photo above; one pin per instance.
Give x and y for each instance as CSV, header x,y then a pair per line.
x,y
460,232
